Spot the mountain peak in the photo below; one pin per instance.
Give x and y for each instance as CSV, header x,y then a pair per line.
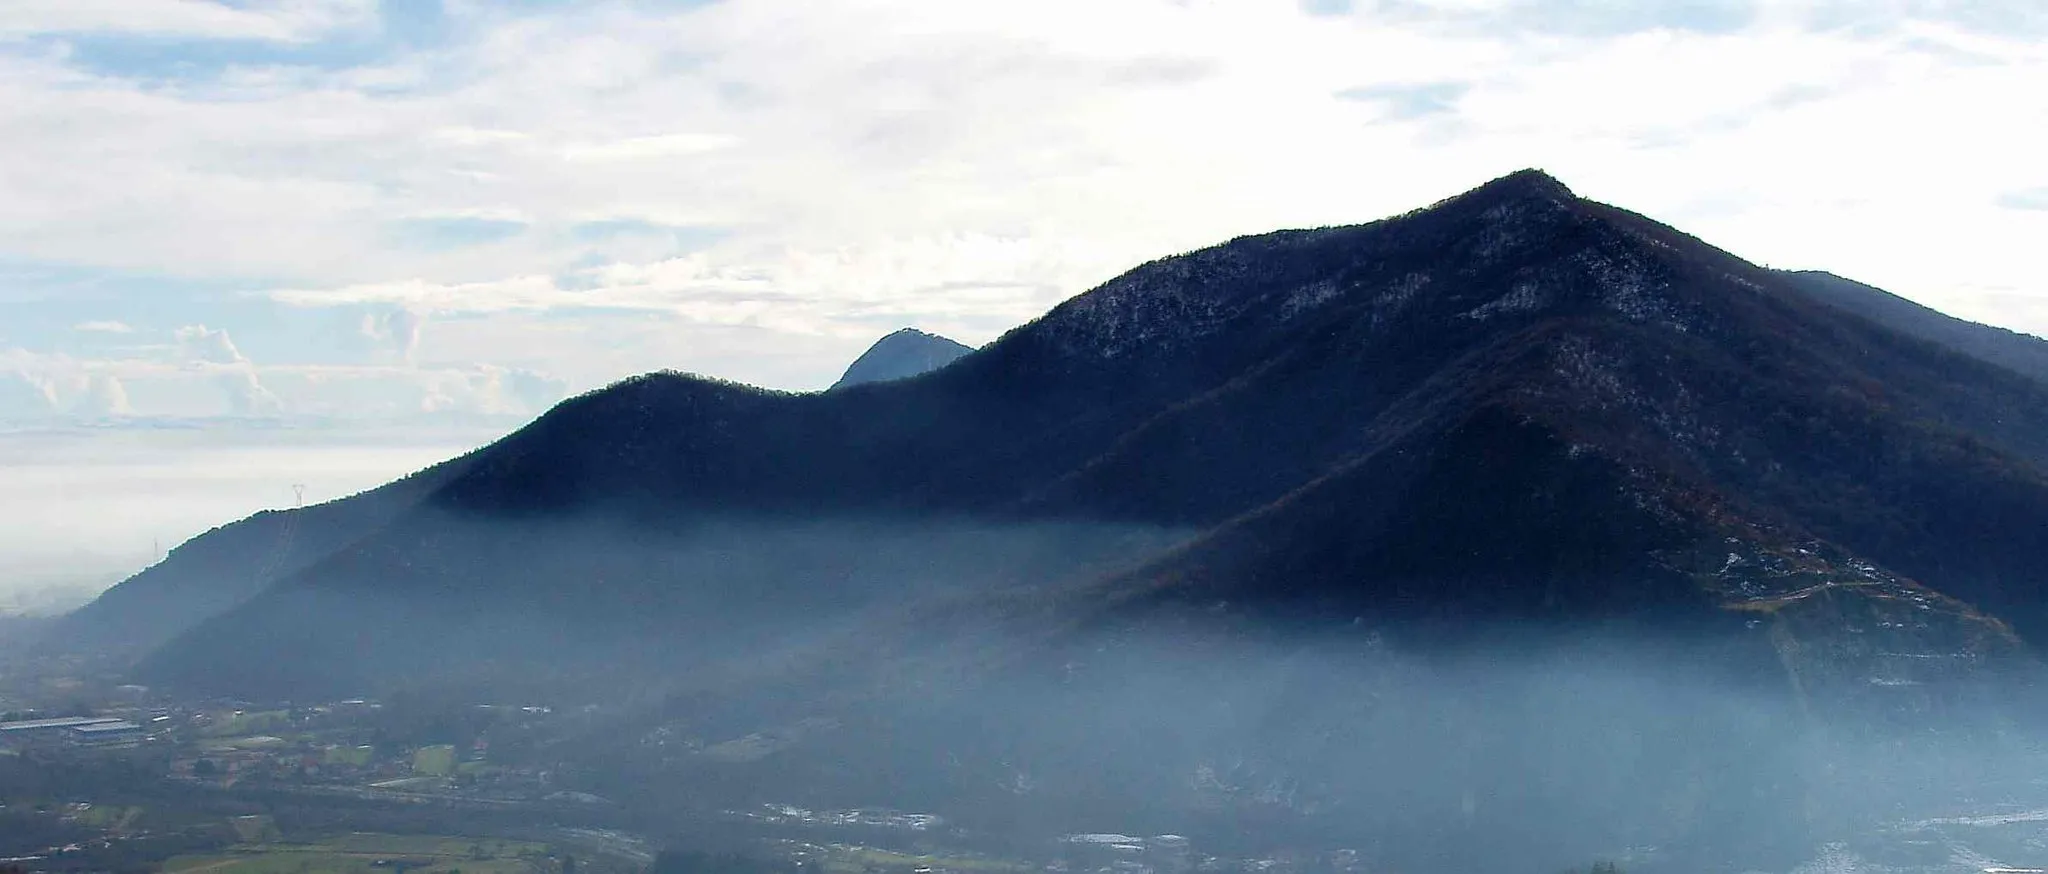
x,y
910,334
1528,182
901,354
1523,187
1526,228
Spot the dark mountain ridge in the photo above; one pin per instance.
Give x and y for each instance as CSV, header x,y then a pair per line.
x,y
1578,351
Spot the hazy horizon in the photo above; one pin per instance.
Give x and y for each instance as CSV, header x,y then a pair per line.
x,y
91,506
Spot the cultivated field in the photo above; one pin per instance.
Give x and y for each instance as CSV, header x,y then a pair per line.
x,y
365,853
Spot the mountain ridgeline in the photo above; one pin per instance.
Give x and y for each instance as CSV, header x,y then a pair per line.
x,y
1220,538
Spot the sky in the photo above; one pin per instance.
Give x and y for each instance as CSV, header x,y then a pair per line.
x,y
419,222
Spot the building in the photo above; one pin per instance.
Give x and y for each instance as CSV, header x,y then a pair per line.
x,y
37,733
91,732
106,735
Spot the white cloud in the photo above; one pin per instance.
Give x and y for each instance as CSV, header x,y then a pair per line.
x,y
477,137
976,283
649,147
491,391
104,327
41,387
209,345
245,392
398,328
24,396
104,396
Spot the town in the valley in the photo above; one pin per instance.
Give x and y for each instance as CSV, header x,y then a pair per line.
x,y
98,775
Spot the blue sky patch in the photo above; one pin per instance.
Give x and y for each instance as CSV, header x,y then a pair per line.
x,y
187,59
415,22
402,25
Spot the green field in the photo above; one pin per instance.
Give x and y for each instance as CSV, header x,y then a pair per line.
x,y
360,854
220,746
357,756
250,722
255,829
850,860
437,761
113,819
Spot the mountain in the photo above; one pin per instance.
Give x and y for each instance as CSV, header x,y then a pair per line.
x,y
901,355
230,564
1315,413
219,570
1518,515
2023,353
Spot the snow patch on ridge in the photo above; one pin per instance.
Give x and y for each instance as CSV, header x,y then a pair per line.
x,y
1524,297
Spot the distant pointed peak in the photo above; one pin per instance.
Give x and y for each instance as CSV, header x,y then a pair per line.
x,y
901,336
901,354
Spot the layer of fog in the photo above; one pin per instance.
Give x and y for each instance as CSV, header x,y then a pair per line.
x,y
83,508
604,607
1500,751
963,669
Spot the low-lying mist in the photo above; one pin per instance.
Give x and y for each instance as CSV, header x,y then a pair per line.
x,y
1535,751
954,669
605,609
1508,751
